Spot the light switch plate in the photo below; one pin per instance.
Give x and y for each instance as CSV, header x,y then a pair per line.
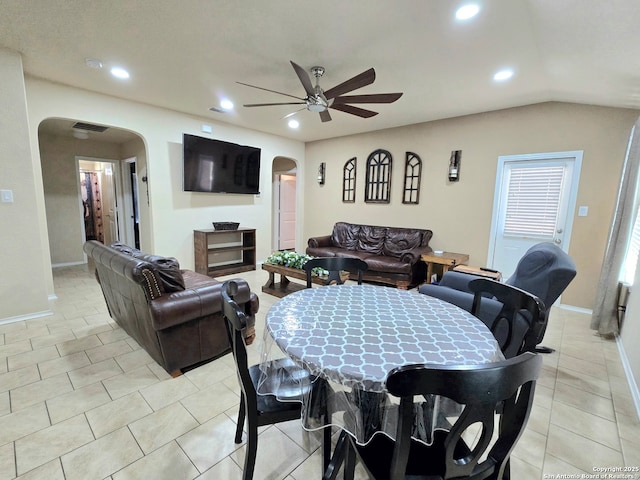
x,y
583,211
6,196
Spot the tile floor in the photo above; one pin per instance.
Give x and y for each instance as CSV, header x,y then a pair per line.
x,y
80,400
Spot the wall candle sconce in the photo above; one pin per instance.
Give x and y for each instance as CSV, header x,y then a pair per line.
x,y
454,165
321,173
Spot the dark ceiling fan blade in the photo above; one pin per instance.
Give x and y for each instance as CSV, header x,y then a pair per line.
x,y
304,79
272,104
359,81
267,90
360,112
325,116
373,98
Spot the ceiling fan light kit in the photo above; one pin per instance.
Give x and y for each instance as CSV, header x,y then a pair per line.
x,y
320,101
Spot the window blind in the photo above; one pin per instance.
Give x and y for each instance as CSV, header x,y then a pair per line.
x,y
533,201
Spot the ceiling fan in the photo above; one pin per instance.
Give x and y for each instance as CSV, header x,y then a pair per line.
x,y
320,101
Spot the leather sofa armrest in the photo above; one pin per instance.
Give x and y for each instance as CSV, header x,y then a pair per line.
x,y
178,307
413,256
489,307
463,300
324,241
457,281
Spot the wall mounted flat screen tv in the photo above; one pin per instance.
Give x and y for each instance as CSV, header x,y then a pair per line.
x,y
220,167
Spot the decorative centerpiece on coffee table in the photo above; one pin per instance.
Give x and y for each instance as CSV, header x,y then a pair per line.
x,y
290,264
288,259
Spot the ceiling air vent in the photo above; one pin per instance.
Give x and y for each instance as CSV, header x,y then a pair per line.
x,y
90,127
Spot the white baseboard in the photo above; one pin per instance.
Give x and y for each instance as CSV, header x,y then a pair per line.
x,y
633,386
575,309
68,264
31,316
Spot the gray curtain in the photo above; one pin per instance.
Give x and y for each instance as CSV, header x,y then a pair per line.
x,y
605,311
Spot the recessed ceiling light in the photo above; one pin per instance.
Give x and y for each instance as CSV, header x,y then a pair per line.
x,y
119,72
503,75
467,11
226,104
294,123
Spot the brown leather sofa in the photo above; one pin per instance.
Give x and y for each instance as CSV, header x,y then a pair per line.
x,y
391,253
175,315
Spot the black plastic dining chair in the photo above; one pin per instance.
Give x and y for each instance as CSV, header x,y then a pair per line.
x,y
515,317
334,265
261,410
502,389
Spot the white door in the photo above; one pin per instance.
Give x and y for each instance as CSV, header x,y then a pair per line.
x,y
110,194
534,202
287,213
110,205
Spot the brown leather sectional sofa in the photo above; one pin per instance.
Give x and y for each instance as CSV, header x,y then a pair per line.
x,y
175,315
391,253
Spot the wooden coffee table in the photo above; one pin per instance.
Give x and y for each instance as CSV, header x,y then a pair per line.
x,y
448,260
285,286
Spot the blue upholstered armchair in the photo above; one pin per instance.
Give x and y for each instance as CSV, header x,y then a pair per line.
x,y
545,270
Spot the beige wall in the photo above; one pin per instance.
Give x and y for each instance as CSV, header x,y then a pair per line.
x,y
459,213
22,290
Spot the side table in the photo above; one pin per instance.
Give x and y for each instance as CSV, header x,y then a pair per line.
x,y
448,260
479,271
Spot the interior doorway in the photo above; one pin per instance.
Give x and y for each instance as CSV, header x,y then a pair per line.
x,y
131,217
284,204
287,223
99,189
60,152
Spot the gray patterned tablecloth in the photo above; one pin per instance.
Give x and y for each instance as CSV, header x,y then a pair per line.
x,y
356,334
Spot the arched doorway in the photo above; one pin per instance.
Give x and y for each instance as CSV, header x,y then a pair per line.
x,y
105,151
284,203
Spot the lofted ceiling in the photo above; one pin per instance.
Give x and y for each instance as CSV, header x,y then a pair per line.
x,y
189,55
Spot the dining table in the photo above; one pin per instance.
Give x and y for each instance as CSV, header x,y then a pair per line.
x,y
349,337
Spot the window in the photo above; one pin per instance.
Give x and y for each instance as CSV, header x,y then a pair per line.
x,y
349,181
533,200
378,183
412,172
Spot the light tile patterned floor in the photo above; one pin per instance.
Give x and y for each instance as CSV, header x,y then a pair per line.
x,y
80,400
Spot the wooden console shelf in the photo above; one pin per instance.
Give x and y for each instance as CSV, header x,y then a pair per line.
x,y
216,251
